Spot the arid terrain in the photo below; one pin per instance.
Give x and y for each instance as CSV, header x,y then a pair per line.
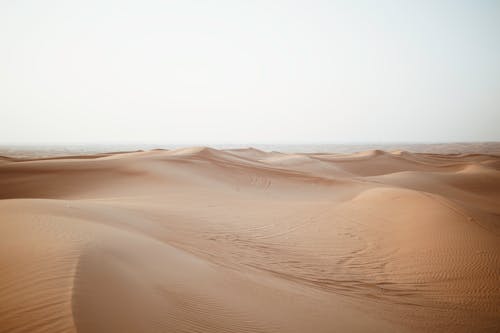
x,y
242,240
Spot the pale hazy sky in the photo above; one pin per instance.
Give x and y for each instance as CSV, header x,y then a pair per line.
x,y
249,71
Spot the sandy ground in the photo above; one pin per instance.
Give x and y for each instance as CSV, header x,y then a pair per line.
x,y
205,240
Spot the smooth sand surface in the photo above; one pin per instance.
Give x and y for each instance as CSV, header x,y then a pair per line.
x,y
205,240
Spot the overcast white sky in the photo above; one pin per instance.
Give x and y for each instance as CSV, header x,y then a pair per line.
x,y
249,71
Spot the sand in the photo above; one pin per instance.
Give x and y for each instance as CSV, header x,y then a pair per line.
x,y
205,240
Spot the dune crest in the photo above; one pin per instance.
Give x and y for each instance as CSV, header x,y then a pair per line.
x,y
242,240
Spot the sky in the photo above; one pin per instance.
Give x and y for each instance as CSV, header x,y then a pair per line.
x,y
118,71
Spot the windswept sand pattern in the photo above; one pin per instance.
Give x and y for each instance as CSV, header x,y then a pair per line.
x,y
242,240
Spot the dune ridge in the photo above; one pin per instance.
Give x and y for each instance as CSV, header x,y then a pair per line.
x,y
242,240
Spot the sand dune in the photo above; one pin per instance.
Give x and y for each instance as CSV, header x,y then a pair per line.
x,y
242,240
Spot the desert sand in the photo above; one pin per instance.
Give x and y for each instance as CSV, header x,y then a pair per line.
x,y
242,240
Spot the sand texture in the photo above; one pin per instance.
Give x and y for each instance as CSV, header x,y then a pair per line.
x,y
206,240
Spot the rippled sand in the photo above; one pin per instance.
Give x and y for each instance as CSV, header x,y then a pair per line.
x,y
205,240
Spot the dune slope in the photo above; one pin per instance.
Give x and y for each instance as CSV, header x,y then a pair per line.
x,y
206,240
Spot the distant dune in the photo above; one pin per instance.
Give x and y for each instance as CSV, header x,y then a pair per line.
x,y
39,151
243,240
